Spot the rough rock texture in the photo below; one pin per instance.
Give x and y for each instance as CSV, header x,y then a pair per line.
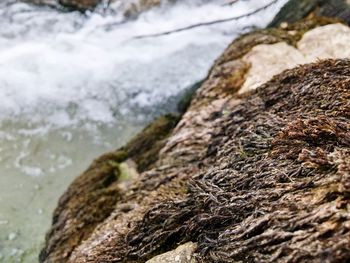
x,y
295,10
274,186
182,254
257,177
254,171
267,60
93,195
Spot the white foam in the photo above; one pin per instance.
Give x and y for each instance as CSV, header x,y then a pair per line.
x,y
74,86
51,63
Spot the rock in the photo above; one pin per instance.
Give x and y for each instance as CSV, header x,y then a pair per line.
x,y
88,201
260,176
80,4
187,97
268,60
129,8
92,196
133,8
182,254
295,10
317,43
144,148
268,184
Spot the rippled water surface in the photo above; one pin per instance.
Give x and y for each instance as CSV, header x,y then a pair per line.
x,y
73,86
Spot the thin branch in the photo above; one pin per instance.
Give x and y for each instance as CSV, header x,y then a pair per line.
x,y
208,23
233,2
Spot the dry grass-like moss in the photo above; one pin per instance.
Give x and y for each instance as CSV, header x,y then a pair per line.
x,y
92,196
275,183
258,177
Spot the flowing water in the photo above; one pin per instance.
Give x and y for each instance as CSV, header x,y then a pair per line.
x,y
73,86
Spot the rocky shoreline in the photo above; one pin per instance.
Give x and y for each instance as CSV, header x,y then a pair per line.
x,y
256,170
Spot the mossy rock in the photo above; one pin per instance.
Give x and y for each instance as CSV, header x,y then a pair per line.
x,y
285,201
144,148
265,154
93,195
88,200
295,10
290,33
187,97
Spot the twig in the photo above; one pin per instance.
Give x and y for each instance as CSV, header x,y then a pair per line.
x,y
208,23
233,2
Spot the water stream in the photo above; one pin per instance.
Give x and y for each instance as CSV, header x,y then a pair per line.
x,y
73,86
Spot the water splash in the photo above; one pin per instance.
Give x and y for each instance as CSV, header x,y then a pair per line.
x,y
75,85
